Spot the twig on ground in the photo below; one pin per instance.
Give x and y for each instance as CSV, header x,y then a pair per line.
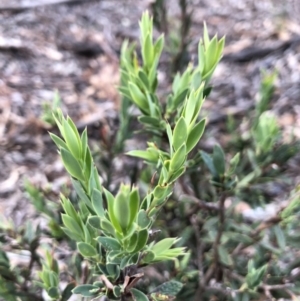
x,y
36,3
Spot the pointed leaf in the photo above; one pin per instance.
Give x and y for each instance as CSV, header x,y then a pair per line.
x,y
178,159
71,139
97,202
110,204
219,159
179,133
208,162
58,141
142,240
138,97
134,200
163,245
148,156
71,165
195,135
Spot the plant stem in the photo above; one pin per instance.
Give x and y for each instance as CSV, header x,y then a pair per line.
x,y
200,250
220,230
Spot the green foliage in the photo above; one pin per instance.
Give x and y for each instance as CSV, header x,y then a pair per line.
x,y
49,108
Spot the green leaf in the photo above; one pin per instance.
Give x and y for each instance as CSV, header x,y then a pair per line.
x,y
74,144
150,256
138,97
149,120
170,137
97,202
88,163
280,237
224,256
169,289
71,234
117,291
125,262
234,163
179,158
110,204
208,162
178,100
72,225
107,227
86,290
195,135
179,133
109,243
144,79
122,210
142,240
159,45
95,222
132,242
161,192
143,219
134,203
163,245
205,35
219,159
81,193
147,51
125,92
58,141
53,292
86,250
177,174
67,293
138,295
201,58
71,165
189,109
148,156
211,55
115,258
84,143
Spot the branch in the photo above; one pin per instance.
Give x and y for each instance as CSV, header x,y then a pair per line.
x,y
215,264
201,204
221,227
200,250
268,223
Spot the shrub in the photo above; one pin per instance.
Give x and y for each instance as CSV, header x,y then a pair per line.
x,y
210,249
